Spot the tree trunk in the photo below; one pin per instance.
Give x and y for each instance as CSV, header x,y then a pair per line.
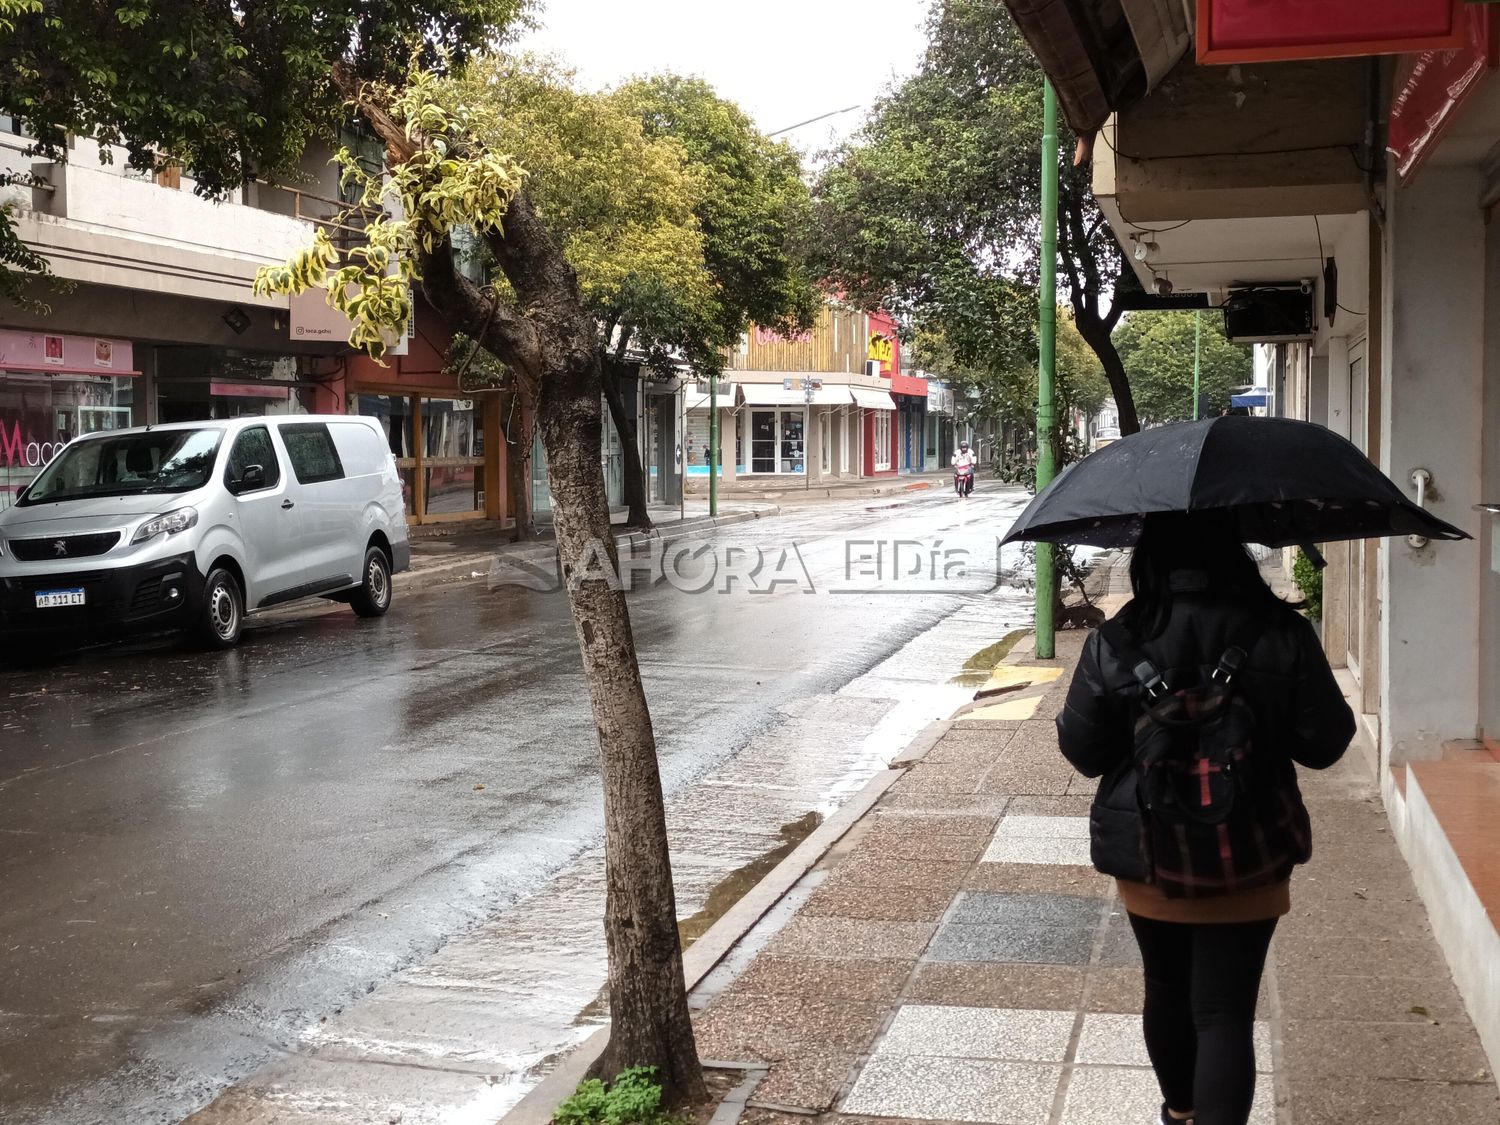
x,y
552,345
635,472
1098,336
649,1022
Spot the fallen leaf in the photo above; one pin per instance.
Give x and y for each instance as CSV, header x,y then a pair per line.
x,y
478,787
1417,1010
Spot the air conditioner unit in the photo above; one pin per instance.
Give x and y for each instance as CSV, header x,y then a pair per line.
x,y
1269,314
872,368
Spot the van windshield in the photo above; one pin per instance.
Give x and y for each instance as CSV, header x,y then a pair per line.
x,y
127,465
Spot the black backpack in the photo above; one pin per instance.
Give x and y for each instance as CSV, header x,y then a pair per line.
x,y
1216,816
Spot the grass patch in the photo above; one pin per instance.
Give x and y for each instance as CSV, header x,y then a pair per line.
x,y
633,1098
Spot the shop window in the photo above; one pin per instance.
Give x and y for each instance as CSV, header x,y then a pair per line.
x,y
452,461
39,414
253,447
882,440
777,441
309,446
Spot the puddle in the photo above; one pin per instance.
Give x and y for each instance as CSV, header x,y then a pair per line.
x,y
979,667
738,883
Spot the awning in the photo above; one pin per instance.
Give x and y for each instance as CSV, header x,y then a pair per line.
x,y
869,399
724,399
1096,64
832,396
772,394
1259,398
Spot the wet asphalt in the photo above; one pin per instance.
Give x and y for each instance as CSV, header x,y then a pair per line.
x,y
199,853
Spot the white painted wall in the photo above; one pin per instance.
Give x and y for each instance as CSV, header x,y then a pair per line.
x,y
1431,412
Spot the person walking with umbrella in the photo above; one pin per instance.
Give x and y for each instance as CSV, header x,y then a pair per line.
x,y
1194,705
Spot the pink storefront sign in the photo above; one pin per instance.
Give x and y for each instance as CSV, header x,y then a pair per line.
x,y
58,353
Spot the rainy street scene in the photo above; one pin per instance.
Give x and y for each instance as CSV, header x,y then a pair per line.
x,y
910,563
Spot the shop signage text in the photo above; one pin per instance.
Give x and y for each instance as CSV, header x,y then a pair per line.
x,y
19,452
765,336
882,348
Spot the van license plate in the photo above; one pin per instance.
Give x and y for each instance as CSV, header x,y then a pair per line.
x,y
46,599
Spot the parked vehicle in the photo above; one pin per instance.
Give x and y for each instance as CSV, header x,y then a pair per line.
x,y
194,525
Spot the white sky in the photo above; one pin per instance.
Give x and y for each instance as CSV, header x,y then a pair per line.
x,y
783,61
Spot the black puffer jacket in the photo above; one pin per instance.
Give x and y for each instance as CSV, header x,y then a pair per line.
x,y
1300,712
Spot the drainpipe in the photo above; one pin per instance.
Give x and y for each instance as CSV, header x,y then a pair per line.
x,y
1046,634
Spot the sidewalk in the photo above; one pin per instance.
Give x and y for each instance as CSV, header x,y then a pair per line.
x,y
954,958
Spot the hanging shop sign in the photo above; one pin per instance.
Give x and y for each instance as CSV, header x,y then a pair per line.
x,y
1243,31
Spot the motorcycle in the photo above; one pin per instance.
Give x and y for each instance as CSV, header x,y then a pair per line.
x,y
963,480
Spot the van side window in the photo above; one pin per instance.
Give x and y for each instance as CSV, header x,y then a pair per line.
x,y
253,447
311,449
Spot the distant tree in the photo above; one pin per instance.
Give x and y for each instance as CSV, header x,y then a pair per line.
x,y
1157,350
934,210
228,91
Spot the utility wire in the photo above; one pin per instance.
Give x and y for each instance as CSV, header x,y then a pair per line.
x,y
813,120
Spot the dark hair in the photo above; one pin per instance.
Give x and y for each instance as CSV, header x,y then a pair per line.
x,y
1206,542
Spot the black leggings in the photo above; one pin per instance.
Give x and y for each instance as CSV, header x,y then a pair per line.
x,y
1201,986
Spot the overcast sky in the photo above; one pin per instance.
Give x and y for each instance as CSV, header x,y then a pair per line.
x,y
783,61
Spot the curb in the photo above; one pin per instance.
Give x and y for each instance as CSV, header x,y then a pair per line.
x,y
705,954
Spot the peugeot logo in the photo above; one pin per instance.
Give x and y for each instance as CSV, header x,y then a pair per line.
x,y
60,548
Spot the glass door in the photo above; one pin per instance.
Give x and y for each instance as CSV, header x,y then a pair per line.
x,y
793,444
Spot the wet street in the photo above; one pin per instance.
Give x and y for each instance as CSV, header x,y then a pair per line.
x,y
208,859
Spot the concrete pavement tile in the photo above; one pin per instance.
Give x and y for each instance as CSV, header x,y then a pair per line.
x,y
1335,1048
1054,945
1051,806
1362,957
1338,1101
896,821
946,848
988,908
998,985
872,868
851,938
969,751
943,802
1117,1040
811,1082
1328,911
1119,947
1115,990
836,978
1025,849
942,1031
1129,1096
1016,780
771,1028
1369,999
1080,786
1030,825
1030,878
957,778
1001,1093
897,904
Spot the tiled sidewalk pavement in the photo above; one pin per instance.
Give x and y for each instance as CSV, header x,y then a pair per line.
x,y
956,959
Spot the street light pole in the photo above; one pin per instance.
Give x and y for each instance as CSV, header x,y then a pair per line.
x,y
1197,362
713,443
1046,594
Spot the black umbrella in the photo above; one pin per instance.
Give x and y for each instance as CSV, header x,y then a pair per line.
x,y
1283,482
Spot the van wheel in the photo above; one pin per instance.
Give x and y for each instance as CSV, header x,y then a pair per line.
x,y
221,615
373,597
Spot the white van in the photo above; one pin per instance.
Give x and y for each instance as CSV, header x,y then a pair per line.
x,y
193,525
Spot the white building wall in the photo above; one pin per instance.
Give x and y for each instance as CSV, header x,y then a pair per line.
x,y
1431,414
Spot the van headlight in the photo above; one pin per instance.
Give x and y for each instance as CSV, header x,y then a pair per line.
x,y
170,524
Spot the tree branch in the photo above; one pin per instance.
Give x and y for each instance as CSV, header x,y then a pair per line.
x,y
492,323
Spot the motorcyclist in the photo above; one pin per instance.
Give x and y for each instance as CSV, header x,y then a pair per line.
x,y
964,459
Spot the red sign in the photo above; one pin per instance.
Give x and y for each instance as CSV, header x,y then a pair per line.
x,y
1236,31
908,385
1430,88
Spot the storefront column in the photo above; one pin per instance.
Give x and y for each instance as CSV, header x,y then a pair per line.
x,y
495,453
144,411
1431,406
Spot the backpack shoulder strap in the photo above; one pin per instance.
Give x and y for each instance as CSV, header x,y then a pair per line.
x,y
1140,665
1242,643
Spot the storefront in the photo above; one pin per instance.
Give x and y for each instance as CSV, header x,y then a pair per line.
x,y
698,415
53,388
195,383
879,411
775,422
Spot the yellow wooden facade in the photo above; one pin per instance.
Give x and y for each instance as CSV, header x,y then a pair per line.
x,y
837,344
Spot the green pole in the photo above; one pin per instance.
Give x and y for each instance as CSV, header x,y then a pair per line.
x,y
1046,581
713,443
1197,358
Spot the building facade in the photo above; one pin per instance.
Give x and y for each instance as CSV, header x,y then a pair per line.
x,y
1335,194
